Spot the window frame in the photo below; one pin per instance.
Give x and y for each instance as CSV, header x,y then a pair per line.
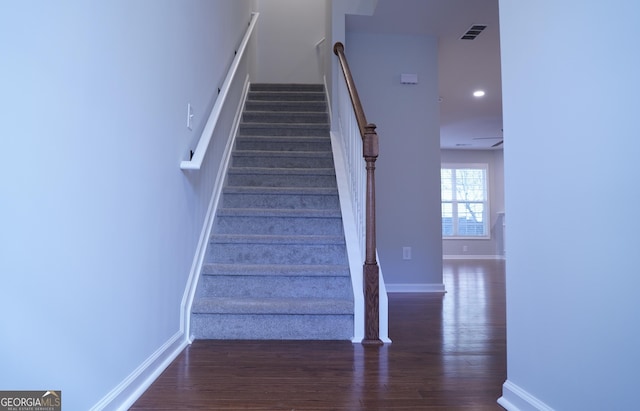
x,y
454,202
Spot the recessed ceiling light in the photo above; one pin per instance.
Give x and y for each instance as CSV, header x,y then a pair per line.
x,y
478,93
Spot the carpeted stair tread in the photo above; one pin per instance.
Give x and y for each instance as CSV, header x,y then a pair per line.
x,y
282,159
300,87
247,239
282,306
287,154
315,198
285,117
311,191
283,129
289,106
297,126
276,176
288,96
320,141
282,171
273,327
281,225
287,139
283,143
276,266
279,212
288,270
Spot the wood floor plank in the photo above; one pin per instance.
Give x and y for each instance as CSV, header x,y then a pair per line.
x,y
448,353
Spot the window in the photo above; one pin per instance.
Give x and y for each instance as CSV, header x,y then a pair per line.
x,y
464,201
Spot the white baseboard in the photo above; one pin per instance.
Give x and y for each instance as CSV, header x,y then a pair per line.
x,y
123,396
514,398
415,288
473,257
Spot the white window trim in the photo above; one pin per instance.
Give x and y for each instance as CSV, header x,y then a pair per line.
x,y
484,166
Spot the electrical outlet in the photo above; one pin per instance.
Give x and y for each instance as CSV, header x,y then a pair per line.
x,y
465,248
406,253
189,116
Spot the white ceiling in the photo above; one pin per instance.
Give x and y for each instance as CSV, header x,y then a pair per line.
x,y
466,122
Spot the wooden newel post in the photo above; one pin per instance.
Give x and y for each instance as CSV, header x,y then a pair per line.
x,y
370,270
370,153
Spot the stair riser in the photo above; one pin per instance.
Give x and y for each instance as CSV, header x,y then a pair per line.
x,y
275,287
278,226
273,161
276,254
291,201
270,327
261,129
285,96
285,118
270,180
265,144
285,106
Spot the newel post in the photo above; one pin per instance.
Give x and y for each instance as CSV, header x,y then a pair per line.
x,y
371,270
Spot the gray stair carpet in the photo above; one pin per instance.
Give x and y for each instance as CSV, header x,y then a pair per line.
x,y
276,265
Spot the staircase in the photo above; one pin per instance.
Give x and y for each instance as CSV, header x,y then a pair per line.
x,y
276,265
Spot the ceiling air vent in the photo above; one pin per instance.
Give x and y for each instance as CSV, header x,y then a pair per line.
x,y
473,32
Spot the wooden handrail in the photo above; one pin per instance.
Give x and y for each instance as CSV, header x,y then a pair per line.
x,y
370,150
338,49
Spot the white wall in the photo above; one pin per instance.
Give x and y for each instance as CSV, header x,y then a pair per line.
x,y
571,85
98,223
408,168
287,37
481,248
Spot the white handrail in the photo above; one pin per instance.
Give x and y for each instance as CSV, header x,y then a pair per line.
x,y
203,144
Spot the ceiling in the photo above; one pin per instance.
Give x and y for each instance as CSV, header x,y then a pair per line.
x,y
466,122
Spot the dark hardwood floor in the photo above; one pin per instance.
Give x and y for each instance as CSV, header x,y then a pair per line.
x,y
448,353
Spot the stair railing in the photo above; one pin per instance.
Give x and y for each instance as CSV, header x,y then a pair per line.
x,y
370,149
